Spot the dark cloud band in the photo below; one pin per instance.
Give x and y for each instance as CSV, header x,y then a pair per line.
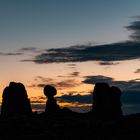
x,y
124,85
107,52
87,99
10,54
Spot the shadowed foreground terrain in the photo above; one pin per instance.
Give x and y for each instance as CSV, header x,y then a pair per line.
x,y
104,122
70,126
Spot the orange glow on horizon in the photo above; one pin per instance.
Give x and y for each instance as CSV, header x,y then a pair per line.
x,y
27,72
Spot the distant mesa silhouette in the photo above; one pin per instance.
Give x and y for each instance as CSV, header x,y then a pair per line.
x,y
106,101
51,104
15,101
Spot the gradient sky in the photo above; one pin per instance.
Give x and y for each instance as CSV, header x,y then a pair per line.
x,y
28,27
60,23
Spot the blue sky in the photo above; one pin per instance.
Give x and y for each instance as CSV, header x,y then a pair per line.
x,y
61,23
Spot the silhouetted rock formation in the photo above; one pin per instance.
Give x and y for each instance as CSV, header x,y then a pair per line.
x,y
15,101
106,101
115,102
51,104
67,125
101,99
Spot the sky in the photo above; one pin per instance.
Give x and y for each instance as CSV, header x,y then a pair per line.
x,y
71,44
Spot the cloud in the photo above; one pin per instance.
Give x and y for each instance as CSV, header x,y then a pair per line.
x,y
108,63
137,71
73,65
59,84
86,99
31,50
43,79
124,85
134,27
38,107
107,52
26,60
26,49
73,74
98,78
67,84
21,52
135,17
38,100
10,54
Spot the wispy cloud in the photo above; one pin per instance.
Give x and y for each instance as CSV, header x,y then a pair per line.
x,y
137,71
67,84
33,50
38,100
27,60
22,51
72,65
134,27
10,54
87,99
73,74
43,79
59,84
28,49
108,63
124,85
